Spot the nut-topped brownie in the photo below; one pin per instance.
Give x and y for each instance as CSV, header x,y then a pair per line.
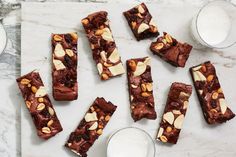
x,y
171,50
102,43
141,22
64,67
141,88
91,127
214,106
39,105
174,113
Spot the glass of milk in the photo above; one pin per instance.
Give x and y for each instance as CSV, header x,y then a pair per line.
x,y
130,142
3,38
215,24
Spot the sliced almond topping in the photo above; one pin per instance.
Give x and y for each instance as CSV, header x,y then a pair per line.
x,y
94,126
140,9
58,64
100,68
114,57
106,35
103,56
140,69
91,117
142,27
223,105
179,121
160,132
59,51
147,61
41,92
117,69
169,117
69,52
198,76
185,105
152,22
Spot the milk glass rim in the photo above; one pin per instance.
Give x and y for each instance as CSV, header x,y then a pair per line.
x,y
113,134
203,7
5,36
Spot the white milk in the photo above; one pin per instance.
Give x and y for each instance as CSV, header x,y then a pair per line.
x,y
3,38
129,142
213,25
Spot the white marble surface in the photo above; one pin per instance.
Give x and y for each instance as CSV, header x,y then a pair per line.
x,y
197,138
208,141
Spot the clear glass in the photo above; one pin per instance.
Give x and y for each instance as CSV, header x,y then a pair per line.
x,y
3,38
226,11
125,133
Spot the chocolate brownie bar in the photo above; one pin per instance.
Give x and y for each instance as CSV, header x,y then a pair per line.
x,y
171,50
140,88
174,113
104,49
91,127
64,67
39,105
141,22
212,100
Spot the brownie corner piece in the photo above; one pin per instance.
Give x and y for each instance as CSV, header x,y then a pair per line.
x,y
140,86
174,112
39,105
210,94
171,50
91,126
64,66
141,22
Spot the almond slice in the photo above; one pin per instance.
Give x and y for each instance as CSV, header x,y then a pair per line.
x,y
140,69
114,57
142,27
116,69
179,121
169,117
223,105
41,92
59,51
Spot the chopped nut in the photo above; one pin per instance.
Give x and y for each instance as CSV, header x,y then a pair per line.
x,y
183,95
134,86
168,129
25,81
149,87
99,32
152,23
214,110
198,76
114,57
50,123
215,95
140,9
168,38
51,111
132,65
107,118
105,76
159,46
103,56
40,106
28,104
203,68
219,90
58,64
85,21
59,51
210,78
163,138
91,117
116,69
200,92
46,130
179,121
160,132
106,64
40,99
169,117
197,68
92,109
99,131
185,105
142,27
69,52
140,69
34,89
176,111
41,92
131,98
101,118
132,107
57,37
106,35
100,68
29,85
145,94
74,35
133,24
223,105
94,126
143,87
139,15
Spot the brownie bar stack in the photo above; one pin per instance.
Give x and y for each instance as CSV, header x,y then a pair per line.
x,y
171,50
214,106
141,22
141,88
91,127
105,52
174,113
39,105
64,68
